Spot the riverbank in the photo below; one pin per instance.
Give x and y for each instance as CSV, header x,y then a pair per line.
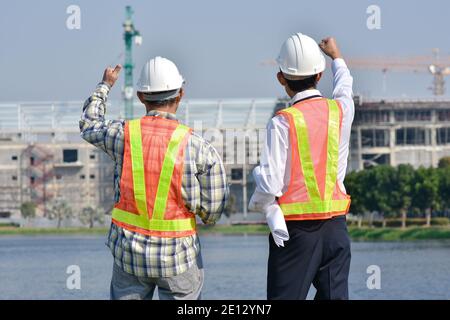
x,y
357,234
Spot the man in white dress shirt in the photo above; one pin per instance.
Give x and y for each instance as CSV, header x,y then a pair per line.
x,y
301,175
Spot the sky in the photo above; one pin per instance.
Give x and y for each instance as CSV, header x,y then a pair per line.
x,y
217,45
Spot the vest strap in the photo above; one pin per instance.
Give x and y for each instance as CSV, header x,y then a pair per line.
x,y
137,166
314,207
165,177
177,225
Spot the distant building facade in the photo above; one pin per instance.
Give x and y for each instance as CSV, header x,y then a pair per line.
x,y
399,131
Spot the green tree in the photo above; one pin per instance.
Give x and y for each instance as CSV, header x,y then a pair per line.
x,y
402,191
426,192
89,216
382,187
28,210
357,184
59,210
353,185
444,162
444,187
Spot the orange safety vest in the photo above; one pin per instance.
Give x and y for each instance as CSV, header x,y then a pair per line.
x,y
151,202
314,132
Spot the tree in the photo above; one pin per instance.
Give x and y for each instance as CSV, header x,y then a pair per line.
x,y
444,163
28,210
426,192
59,210
369,190
444,187
354,189
89,216
402,191
382,190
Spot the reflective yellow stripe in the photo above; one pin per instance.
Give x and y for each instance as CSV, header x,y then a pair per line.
x,y
304,149
332,149
141,220
137,165
314,207
153,224
316,204
165,177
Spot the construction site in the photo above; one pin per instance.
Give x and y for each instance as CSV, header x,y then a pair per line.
x,y
43,158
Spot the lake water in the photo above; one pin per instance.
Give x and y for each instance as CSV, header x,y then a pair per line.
x,y
235,268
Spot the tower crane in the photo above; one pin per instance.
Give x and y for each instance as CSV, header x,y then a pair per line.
x,y
129,34
437,66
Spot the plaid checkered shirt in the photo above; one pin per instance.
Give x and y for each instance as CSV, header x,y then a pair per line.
x,y
204,190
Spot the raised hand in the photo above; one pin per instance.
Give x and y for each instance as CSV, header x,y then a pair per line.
x,y
111,75
330,48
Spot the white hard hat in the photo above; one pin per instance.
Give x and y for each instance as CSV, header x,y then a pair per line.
x,y
300,57
159,74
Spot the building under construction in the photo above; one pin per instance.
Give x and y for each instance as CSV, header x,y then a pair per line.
x,y
43,158
400,131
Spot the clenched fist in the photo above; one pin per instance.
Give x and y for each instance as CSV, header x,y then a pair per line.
x,y
330,48
111,75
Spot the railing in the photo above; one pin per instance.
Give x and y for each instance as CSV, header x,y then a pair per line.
x,y
54,116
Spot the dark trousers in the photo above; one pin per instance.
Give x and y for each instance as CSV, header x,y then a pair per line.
x,y
318,253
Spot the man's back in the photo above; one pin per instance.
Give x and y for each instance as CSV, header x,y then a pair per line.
x,y
204,192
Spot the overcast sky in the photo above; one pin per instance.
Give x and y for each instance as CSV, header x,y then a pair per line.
x,y
218,45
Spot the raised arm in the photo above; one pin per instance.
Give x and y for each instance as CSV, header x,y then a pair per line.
x,y
342,79
104,134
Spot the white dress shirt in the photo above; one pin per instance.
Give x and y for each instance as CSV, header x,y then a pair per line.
x,y
273,176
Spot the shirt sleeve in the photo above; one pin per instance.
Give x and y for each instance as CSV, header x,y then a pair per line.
x,y
270,174
212,178
343,88
343,92
107,135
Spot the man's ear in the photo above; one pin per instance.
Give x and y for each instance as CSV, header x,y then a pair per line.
x,y
180,96
181,93
318,77
281,79
140,95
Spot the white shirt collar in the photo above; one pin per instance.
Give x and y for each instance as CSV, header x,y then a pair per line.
x,y
305,94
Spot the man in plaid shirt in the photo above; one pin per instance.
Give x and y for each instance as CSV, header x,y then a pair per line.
x,y
144,262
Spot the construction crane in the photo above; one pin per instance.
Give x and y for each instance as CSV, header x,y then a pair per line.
x,y
438,66
129,34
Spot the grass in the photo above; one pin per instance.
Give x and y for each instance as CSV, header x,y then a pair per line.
x,y
357,234
234,229
51,231
397,234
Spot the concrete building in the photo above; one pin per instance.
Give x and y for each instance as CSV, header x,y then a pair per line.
x,y
400,131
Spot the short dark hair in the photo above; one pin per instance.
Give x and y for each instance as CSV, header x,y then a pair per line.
x,y
159,103
302,85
